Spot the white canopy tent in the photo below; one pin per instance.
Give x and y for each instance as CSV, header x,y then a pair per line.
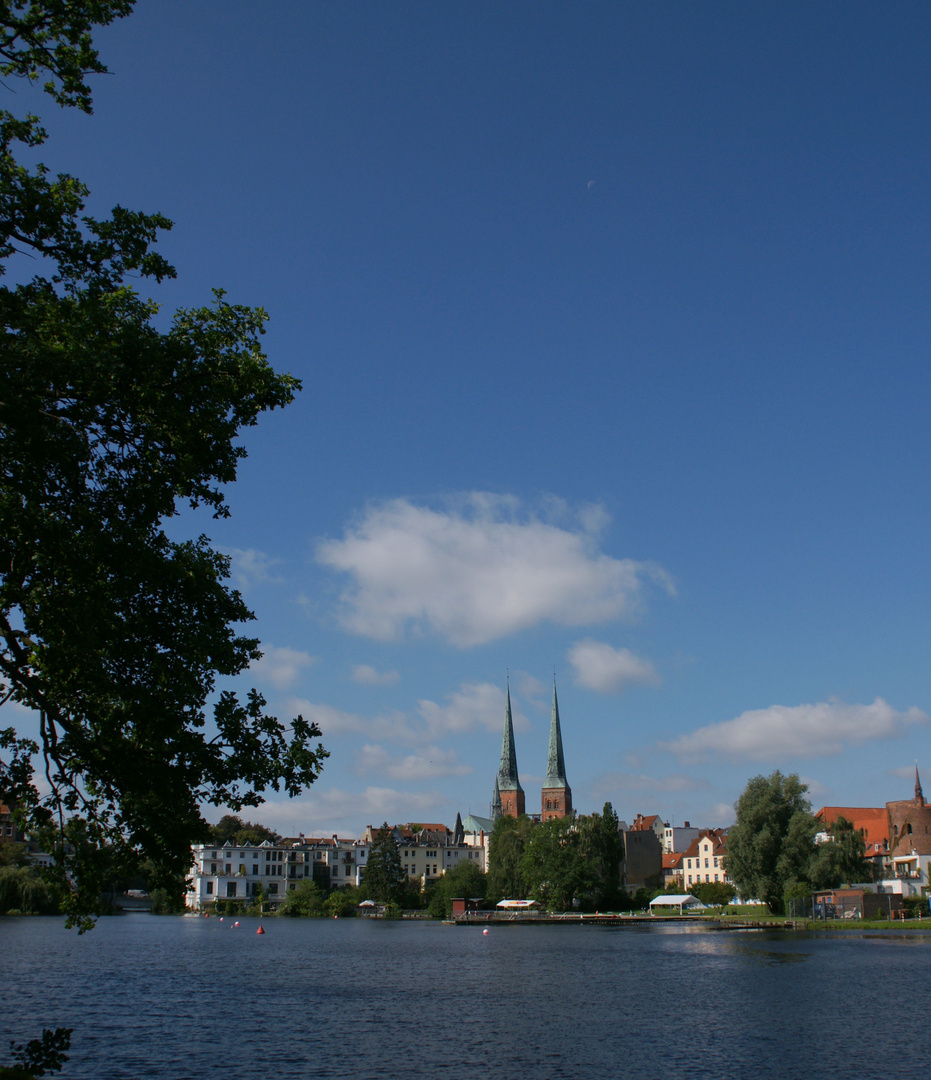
x,y
680,901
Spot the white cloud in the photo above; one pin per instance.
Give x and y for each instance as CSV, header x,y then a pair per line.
x,y
783,731
722,813
329,811
334,723
368,676
903,772
615,785
816,790
601,667
429,763
532,687
479,570
250,567
282,667
473,707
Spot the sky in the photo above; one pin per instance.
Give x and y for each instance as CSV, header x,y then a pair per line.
x,y
612,321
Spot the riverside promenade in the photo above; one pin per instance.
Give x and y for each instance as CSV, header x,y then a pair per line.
x,y
536,918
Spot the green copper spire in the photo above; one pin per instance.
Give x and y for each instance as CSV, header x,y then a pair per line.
x,y
507,773
496,802
555,765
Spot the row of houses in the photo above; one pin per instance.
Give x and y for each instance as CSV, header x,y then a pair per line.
x,y
242,871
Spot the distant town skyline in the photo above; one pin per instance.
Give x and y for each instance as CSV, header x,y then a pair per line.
x,y
613,328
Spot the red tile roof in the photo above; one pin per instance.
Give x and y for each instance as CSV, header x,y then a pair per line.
x,y
872,820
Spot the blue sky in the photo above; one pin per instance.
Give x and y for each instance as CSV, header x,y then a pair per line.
x,y
613,326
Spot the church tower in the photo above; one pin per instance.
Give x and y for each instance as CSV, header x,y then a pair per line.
x,y
556,798
507,785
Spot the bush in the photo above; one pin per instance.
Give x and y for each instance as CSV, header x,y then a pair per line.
x,y
339,905
164,903
24,890
915,906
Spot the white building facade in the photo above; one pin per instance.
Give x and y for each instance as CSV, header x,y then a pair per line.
x,y
235,871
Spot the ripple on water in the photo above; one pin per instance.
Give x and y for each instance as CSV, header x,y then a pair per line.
x,y
183,997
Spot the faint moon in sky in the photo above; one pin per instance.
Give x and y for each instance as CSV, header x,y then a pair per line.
x,y
591,184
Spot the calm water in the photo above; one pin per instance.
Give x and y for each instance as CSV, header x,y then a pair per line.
x,y
185,997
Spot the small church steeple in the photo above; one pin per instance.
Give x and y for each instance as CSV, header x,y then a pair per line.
x,y
556,797
919,794
507,784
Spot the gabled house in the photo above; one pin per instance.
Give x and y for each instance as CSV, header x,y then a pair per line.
x,y
703,860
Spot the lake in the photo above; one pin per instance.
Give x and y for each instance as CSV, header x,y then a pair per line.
x,y
180,997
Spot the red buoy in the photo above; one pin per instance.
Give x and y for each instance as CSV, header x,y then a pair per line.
x,y
261,930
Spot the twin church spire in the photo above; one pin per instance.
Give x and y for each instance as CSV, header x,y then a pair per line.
x,y
556,797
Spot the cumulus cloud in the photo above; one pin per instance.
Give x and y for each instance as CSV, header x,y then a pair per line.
x,y
368,676
723,813
428,763
601,667
281,667
532,687
250,567
616,784
329,811
479,570
334,723
783,731
473,707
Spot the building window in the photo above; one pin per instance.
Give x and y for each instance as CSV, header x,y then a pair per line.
x,y
210,888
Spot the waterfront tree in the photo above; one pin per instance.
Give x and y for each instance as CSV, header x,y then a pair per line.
x,y
506,846
555,864
383,878
603,848
465,880
842,858
772,843
713,893
305,899
114,418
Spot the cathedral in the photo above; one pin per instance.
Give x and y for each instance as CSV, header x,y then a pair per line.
x,y
556,796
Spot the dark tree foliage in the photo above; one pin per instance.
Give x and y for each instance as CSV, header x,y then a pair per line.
x,y
842,859
383,877
603,847
38,1056
555,864
506,846
713,893
771,846
465,880
304,900
231,827
112,633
